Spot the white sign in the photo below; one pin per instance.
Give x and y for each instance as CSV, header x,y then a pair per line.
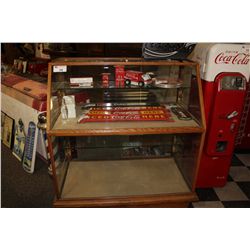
x,y
216,58
59,68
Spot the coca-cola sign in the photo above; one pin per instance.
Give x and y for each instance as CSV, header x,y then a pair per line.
x,y
235,58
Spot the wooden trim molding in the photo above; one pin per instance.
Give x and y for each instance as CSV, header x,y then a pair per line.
x,y
174,200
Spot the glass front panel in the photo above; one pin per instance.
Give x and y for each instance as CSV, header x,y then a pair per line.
x,y
104,166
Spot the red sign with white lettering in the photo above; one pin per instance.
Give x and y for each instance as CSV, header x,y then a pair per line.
x,y
128,114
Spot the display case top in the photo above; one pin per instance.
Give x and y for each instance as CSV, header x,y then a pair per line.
x,y
117,60
123,82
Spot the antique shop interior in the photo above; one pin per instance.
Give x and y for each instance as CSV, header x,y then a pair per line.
x,y
125,125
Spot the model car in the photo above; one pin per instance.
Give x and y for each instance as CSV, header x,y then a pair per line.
x,y
137,78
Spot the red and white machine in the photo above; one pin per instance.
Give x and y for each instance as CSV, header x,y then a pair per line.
x,y
225,70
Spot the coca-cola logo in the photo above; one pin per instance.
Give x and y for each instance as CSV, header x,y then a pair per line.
x,y
237,58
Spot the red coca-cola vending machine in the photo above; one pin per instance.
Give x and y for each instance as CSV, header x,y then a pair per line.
x,y
225,73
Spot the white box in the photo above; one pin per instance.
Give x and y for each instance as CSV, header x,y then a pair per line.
x,y
81,80
71,111
68,108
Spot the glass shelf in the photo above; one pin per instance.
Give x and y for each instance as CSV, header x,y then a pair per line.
x,y
96,85
71,126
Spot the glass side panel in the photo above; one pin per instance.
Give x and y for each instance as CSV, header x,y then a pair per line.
x,y
78,91
60,159
185,153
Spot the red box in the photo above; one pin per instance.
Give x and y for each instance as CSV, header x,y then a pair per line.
x,y
119,76
105,80
37,67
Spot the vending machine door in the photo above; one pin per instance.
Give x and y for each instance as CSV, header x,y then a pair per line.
x,y
229,95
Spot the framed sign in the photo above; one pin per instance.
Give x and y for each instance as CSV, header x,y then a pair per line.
x,y
8,131
19,140
2,123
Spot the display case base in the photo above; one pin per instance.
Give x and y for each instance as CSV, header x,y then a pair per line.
x,y
157,201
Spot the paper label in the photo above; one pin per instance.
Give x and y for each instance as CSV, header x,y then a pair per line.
x,y
59,68
88,80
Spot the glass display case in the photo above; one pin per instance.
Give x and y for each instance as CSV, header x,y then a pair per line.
x,y
124,132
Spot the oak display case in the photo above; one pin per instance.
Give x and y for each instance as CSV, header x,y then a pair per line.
x,y
125,146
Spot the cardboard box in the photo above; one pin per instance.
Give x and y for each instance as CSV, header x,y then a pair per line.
x,y
119,76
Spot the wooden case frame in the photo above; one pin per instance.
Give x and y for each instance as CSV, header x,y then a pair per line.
x,y
164,200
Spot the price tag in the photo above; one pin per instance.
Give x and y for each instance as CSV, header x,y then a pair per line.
x,y
59,68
